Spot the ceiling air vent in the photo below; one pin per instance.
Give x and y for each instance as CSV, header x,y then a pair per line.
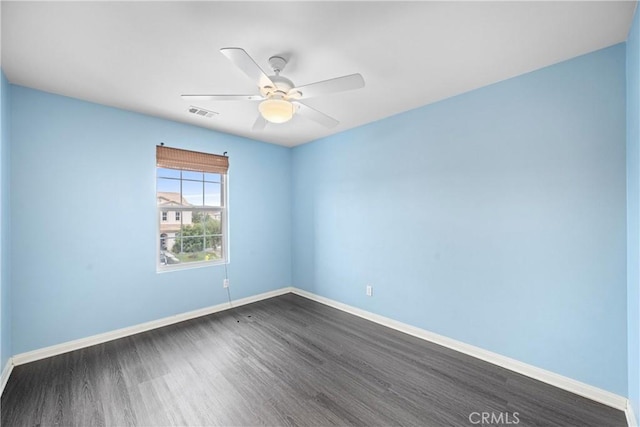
x,y
202,112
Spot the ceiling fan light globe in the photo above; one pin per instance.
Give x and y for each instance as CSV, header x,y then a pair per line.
x,y
276,110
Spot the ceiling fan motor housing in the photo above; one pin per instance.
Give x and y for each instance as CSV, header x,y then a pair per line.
x,y
282,86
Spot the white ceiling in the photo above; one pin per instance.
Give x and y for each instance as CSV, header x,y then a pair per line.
x,y
141,56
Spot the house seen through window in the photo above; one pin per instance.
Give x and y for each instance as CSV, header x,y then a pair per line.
x,y
192,210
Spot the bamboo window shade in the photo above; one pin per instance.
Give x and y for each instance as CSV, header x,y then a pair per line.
x,y
175,158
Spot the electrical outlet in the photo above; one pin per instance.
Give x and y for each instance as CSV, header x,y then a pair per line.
x,y
225,283
369,290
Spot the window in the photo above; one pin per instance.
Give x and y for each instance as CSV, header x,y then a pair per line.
x,y
194,186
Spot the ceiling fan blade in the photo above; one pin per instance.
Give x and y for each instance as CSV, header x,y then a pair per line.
x,y
223,97
339,84
248,66
315,115
259,124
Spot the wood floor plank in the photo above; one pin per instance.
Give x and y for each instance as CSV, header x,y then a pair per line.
x,y
286,361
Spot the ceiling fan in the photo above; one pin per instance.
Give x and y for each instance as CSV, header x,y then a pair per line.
x,y
280,97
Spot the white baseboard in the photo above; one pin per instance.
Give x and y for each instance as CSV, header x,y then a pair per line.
x,y
560,381
65,347
631,418
6,373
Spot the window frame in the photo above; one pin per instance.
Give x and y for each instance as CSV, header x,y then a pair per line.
x,y
224,223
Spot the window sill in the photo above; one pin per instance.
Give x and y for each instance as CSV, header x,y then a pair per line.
x,y
189,266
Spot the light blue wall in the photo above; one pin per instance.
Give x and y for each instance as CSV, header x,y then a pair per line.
x,y
633,212
5,229
84,220
496,218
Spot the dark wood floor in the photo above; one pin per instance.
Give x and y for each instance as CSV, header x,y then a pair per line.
x,y
282,361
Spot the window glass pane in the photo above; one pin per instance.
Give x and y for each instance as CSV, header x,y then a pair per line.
x,y
187,217
212,194
215,247
195,218
212,177
192,193
176,245
168,192
168,173
198,223
191,249
209,222
168,226
164,241
167,257
197,176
